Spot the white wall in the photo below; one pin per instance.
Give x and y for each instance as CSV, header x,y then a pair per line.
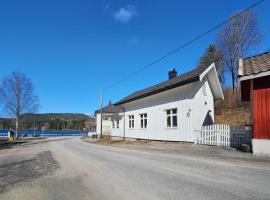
x,y
106,125
261,146
187,99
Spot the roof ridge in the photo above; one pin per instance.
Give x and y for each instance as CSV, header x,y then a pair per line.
x,y
162,82
257,55
179,80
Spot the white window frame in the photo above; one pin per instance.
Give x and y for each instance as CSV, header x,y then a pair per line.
x,y
143,121
131,122
170,115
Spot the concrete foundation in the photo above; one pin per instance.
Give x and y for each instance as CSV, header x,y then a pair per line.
x,y
261,146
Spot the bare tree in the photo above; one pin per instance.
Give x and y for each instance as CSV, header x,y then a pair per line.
x,y
236,38
18,97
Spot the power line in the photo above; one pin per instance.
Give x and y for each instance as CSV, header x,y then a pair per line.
x,y
182,46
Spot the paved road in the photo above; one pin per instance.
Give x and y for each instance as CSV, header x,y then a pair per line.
x,y
91,171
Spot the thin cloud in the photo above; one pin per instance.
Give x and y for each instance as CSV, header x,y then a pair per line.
x,y
124,15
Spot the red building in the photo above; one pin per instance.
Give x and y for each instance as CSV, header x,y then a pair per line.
x,y
254,76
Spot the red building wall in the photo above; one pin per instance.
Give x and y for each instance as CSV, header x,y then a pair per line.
x,y
261,108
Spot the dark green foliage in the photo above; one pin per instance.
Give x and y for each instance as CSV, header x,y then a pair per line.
x,y
213,55
50,121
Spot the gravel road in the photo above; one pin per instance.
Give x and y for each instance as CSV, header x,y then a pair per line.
x,y
89,171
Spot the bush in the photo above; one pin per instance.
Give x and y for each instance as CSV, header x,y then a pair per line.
x,y
246,147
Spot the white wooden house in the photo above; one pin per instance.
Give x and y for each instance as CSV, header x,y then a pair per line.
x,y
171,110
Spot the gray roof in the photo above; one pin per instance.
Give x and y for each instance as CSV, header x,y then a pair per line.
x,y
180,80
110,109
256,64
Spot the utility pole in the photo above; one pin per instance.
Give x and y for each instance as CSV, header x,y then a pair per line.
x,y
124,123
34,125
101,102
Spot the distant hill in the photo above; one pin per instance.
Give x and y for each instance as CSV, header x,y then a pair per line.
x,y
52,121
64,116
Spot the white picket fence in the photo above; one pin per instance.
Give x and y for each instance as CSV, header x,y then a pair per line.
x,y
222,135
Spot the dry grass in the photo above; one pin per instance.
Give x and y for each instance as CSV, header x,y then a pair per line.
x,y
239,116
231,110
109,140
5,141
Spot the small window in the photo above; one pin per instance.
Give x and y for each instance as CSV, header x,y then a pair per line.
x,y
113,123
204,89
131,121
143,121
117,123
171,118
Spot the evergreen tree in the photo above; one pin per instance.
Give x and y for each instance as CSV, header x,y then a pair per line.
x,y
213,55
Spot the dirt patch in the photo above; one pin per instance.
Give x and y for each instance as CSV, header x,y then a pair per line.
x,y
111,141
5,144
15,172
181,148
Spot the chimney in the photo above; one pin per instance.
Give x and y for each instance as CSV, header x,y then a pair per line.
x,y
240,67
172,73
110,102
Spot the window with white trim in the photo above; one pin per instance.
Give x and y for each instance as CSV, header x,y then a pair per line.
x,y
131,121
171,117
143,120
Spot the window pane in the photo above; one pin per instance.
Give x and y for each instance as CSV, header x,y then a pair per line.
x,y
145,115
145,123
129,124
132,123
174,121
174,111
168,121
141,123
168,112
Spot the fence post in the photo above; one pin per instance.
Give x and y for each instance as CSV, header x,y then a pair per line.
x,y
218,134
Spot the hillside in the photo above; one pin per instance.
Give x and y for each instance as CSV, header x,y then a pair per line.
x,y
51,121
231,110
239,116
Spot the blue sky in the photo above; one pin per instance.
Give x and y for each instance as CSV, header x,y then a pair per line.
x,y
73,49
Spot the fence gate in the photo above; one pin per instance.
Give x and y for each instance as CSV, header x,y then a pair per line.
x,y
223,135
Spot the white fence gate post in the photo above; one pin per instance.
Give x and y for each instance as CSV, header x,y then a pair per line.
x,y
218,134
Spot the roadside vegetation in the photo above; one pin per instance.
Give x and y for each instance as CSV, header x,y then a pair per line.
x,y
18,97
234,40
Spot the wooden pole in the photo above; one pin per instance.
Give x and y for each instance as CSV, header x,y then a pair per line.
x,y
124,125
101,102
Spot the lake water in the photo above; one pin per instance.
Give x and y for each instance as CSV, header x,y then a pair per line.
x,y
4,133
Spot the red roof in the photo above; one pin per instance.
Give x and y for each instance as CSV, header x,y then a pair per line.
x,y
255,64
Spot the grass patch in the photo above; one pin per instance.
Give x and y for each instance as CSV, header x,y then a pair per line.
x,y
5,143
109,140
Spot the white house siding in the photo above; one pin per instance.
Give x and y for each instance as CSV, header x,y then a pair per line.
x,y
106,125
187,99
